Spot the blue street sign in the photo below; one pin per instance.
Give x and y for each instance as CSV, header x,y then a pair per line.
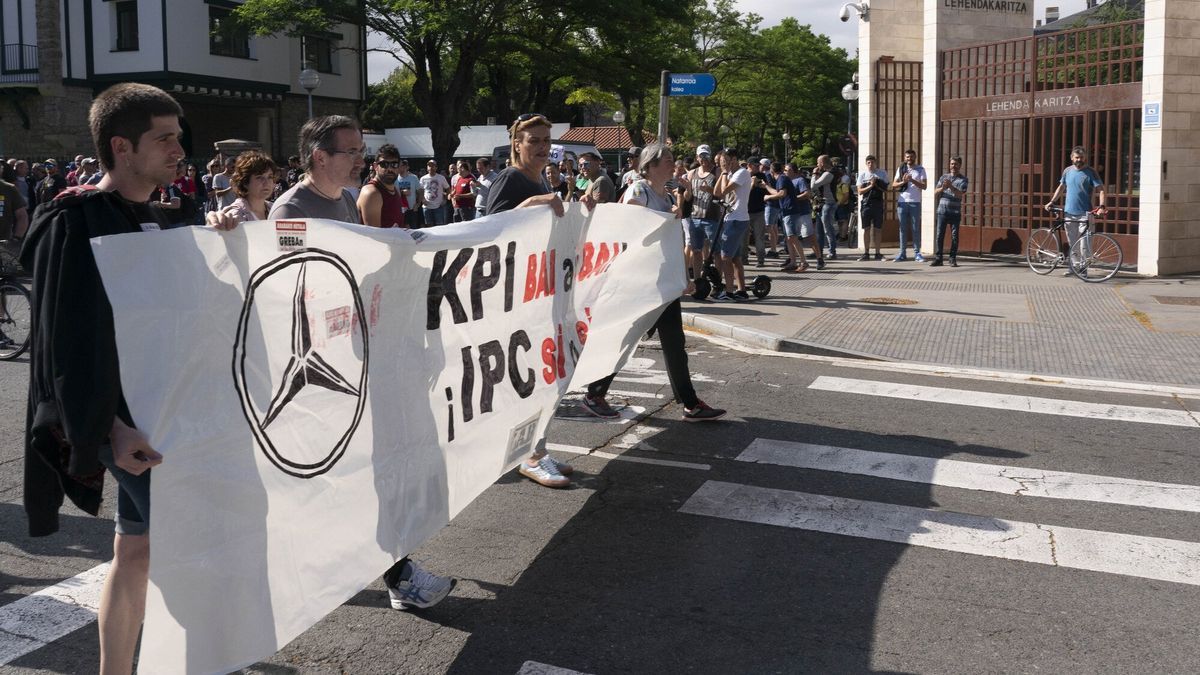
x,y
692,84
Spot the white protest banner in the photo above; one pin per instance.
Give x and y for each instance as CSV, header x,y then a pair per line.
x,y
328,396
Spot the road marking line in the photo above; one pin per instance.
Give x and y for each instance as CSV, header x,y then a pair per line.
x,y
1009,480
627,393
961,372
1108,552
535,668
658,462
40,618
981,399
580,450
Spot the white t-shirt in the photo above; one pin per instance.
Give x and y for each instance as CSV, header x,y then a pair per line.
x,y
911,194
739,205
434,188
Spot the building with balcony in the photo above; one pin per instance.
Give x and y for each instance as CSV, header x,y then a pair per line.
x,y
57,55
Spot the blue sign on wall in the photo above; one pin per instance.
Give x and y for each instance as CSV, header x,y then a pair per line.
x,y
692,84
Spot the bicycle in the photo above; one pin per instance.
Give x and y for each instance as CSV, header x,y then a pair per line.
x,y
1094,257
16,315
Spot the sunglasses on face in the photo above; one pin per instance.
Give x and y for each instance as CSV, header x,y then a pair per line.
x,y
388,165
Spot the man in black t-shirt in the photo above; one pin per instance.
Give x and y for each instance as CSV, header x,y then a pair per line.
x,y
78,420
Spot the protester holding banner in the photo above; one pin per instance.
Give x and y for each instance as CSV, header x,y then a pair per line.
x,y
253,181
519,186
656,166
79,423
331,150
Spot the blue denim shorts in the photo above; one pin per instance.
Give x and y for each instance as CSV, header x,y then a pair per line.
x,y
700,232
798,226
133,496
733,234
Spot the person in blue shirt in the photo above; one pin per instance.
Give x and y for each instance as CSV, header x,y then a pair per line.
x,y
1080,182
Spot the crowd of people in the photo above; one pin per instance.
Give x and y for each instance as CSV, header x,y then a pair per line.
x,y
79,427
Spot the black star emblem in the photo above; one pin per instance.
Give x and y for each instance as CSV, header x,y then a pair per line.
x,y
319,452
306,366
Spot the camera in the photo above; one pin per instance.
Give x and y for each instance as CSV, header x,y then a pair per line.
x,y
860,7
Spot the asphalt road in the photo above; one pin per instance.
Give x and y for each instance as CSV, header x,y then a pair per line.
x,y
843,518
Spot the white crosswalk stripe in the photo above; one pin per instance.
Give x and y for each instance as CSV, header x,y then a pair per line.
x,y
1126,554
1131,555
40,618
1010,480
981,399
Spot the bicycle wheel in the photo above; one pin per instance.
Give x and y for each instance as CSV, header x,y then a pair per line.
x,y
9,265
1043,251
1099,264
15,320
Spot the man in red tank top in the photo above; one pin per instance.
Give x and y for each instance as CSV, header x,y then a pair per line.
x,y
379,203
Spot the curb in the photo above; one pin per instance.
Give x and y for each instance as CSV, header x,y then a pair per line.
x,y
769,341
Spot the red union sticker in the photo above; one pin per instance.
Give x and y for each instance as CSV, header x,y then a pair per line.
x,y
338,321
291,234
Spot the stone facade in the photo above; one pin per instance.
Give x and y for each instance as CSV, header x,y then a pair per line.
x,y
1169,241
49,120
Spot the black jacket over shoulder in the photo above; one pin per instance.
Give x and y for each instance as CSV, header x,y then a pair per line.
x,y
74,380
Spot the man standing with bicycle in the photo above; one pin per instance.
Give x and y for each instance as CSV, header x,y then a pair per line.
x,y
1080,181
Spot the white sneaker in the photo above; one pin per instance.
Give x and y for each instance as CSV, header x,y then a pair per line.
x,y
421,589
545,472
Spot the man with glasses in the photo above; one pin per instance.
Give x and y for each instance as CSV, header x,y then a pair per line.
x,y
600,187
331,152
380,204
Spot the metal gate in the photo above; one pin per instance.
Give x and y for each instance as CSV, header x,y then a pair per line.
x,y
897,124
1014,109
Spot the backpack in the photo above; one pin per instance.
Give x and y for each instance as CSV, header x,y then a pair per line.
x,y
843,193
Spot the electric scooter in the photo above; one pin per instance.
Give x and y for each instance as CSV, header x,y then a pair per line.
x,y
711,281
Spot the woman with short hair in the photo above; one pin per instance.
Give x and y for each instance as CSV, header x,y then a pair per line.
x,y
253,181
656,167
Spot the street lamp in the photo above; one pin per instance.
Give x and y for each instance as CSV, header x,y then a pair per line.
x,y
787,147
850,94
310,80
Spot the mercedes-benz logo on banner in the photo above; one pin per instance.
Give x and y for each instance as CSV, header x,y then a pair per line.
x,y
304,396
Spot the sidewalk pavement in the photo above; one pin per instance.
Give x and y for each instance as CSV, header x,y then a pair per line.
x,y
986,313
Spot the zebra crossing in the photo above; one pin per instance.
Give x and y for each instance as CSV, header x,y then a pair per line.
x,y
1047,543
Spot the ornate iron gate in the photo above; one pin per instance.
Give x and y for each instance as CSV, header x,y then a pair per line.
x,y
1014,109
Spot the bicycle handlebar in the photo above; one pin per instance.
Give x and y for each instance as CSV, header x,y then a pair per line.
x,y
1059,210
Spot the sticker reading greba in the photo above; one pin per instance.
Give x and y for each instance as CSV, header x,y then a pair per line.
x,y
291,234
284,377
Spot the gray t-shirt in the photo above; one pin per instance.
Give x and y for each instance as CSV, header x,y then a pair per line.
x,y
220,182
485,184
301,201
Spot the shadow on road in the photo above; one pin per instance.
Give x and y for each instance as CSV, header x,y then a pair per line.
x,y
631,584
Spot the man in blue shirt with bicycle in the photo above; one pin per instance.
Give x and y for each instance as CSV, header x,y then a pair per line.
x,y
1080,181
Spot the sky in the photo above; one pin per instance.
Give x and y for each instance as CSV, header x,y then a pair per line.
x,y
822,15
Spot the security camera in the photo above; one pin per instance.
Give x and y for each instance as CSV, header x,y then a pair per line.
x,y
861,8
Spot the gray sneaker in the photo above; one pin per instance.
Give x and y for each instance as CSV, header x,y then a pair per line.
x,y
420,589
